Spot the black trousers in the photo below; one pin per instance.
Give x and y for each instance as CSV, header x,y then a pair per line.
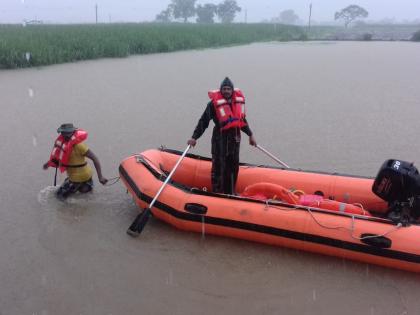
x,y
68,188
225,161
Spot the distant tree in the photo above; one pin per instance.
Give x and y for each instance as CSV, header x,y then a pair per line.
x,y
205,13
288,17
367,36
226,11
351,13
165,16
416,37
183,9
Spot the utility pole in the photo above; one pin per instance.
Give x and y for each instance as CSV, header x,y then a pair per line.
x,y
96,13
310,15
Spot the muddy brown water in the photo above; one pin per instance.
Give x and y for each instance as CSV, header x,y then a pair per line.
x,y
342,107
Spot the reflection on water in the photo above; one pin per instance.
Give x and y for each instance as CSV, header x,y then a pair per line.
x,y
342,107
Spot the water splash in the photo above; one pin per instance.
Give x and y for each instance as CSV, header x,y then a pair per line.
x,y
81,199
46,193
30,92
28,56
34,141
73,209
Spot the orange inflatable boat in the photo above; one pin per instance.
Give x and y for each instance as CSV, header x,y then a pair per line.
x,y
325,213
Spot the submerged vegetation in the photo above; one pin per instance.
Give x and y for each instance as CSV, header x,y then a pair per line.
x,y
37,45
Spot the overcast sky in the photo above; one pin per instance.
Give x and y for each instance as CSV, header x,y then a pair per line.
x,y
82,11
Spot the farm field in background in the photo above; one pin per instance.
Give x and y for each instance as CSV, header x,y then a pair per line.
x,y
37,45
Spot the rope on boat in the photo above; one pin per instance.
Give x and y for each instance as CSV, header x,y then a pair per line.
x,y
160,167
203,227
115,179
351,229
360,206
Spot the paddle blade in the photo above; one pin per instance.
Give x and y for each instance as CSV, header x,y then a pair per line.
x,y
139,223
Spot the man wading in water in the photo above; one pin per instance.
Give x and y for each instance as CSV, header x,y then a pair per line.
x,y
227,110
69,154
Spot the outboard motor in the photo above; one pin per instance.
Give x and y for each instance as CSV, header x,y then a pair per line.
x,y
398,183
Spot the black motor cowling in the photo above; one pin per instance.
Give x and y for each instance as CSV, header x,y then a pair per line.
x,y
398,183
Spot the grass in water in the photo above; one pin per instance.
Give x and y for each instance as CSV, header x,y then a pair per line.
x,y
36,45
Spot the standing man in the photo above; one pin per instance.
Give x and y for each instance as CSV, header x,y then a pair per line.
x,y
227,110
69,154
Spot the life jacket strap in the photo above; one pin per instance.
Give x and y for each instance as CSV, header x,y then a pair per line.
x,y
74,166
228,121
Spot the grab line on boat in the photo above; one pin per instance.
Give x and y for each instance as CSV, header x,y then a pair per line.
x,y
351,229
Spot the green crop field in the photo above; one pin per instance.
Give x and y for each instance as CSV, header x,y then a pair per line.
x,y
36,45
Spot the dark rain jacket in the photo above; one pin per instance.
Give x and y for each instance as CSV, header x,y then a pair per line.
x,y
225,147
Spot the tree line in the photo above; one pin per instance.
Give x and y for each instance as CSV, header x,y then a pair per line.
x,y
348,15
227,10
206,13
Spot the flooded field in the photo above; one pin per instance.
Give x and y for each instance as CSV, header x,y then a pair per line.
x,y
342,107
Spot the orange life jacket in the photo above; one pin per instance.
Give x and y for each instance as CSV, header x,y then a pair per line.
x,y
229,115
60,154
